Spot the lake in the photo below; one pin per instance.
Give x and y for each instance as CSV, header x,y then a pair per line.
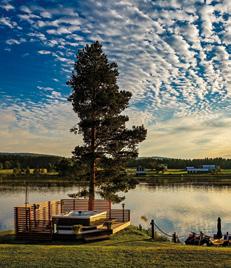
x,y
179,208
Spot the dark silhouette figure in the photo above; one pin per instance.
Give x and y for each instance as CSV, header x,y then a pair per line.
x,y
219,233
198,240
174,238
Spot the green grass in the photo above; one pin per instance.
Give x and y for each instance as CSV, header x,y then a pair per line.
x,y
226,171
10,171
130,248
177,173
6,171
149,172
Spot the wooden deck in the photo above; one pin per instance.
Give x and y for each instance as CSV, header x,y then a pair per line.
x,y
93,232
36,221
119,226
103,232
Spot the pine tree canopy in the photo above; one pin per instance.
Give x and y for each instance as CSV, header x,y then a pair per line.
x,y
98,102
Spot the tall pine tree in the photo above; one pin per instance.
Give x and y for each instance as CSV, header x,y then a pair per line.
x,y
98,102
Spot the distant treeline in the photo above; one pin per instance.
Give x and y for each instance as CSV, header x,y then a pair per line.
x,y
62,165
11,161
172,163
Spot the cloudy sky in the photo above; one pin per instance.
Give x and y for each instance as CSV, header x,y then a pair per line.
x,y
173,55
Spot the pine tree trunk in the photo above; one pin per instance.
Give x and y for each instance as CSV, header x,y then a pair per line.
x,y
92,187
92,172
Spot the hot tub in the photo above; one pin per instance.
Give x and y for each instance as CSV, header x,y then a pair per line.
x,y
83,214
85,218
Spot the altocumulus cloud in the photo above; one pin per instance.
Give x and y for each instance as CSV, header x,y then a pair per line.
x,y
173,55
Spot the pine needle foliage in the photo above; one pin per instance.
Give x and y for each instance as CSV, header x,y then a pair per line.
x,y
107,143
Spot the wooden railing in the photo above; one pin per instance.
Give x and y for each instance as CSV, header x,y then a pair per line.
x,y
82,204
33,220
120,215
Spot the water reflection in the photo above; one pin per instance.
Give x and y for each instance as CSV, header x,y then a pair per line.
x,y
180,208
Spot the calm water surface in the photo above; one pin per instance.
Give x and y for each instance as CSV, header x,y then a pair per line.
x,y
180,208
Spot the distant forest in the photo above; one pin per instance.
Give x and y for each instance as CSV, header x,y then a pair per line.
x,y
17,160
172,163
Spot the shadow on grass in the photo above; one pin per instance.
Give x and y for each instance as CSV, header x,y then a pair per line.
x,y
7,237
127,236
114,243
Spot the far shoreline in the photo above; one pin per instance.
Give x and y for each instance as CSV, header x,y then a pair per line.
x,y
157,179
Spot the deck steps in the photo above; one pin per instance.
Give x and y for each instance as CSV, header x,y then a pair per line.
x,y
95,238
94,235
88,228
95,232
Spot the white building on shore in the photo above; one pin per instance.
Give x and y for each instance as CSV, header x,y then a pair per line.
x,y
202,169
140,171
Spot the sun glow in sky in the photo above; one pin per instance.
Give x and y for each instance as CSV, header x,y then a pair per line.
x,y
173,55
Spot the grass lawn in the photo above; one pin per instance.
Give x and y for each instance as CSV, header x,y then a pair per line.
x,y
149,172
10,171
130,248
226,171
6,171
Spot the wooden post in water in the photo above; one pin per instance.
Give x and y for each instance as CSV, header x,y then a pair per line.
x,y
153,229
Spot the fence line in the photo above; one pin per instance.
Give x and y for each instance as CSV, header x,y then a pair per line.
x,y
171,235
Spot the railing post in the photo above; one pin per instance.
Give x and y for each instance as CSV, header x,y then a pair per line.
x,y
153,229
73,207
16,220
61,206
123,205
49,210
56,207
109,209
29,218
27,214
34,211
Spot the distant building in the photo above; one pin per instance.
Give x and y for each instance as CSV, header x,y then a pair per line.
x,y
210,167
202,169
140,171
